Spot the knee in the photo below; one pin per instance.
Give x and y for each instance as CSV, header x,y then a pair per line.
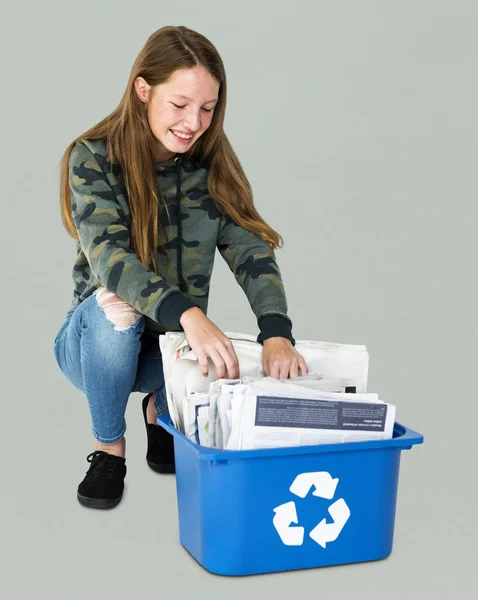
x,y
117,311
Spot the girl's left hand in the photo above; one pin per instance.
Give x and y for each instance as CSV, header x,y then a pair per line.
x,y
281,360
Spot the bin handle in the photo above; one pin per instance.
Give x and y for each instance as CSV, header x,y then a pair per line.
x,y
408,435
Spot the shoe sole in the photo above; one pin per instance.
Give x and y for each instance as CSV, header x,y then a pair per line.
x,y
161,468
102,503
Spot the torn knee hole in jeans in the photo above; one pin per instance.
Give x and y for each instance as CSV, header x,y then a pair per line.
x,y
117,311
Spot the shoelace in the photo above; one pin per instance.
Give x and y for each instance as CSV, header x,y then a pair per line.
x,y
101,465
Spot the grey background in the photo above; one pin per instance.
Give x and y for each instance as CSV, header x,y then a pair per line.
x,y
356,123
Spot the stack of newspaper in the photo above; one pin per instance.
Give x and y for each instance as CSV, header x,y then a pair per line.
x,y
329,405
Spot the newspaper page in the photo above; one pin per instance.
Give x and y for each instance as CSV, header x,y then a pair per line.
x,y
214,395
191,405
183,376
271,421
203,426
223,427
236,416
278,388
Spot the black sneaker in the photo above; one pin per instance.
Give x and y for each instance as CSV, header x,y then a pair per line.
x,y
160,453
104,482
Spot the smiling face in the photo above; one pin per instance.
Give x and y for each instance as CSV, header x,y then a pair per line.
x,y
184,104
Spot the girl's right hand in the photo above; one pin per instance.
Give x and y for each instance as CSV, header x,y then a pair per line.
x,y
207,340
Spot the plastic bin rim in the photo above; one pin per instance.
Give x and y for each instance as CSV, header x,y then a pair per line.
x,y
405,439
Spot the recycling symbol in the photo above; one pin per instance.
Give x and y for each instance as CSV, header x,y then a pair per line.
x,y
286,514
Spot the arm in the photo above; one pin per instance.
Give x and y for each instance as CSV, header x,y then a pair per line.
x,y
105,239
255,268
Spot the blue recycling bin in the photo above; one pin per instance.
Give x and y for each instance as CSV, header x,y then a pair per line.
x,y
244,512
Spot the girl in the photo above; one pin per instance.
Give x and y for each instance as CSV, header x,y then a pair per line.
x,y
148,194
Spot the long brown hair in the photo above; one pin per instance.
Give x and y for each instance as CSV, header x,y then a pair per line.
x,y
130,143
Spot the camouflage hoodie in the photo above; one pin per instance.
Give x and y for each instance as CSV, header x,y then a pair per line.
x,y
184,258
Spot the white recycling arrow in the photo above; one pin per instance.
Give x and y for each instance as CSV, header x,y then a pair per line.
x,y
285,515
321,480
328,532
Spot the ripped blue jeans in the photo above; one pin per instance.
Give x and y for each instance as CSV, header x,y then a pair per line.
x,y
108,363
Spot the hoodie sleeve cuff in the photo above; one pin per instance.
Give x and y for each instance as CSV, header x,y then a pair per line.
x,y
275,326
170,310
